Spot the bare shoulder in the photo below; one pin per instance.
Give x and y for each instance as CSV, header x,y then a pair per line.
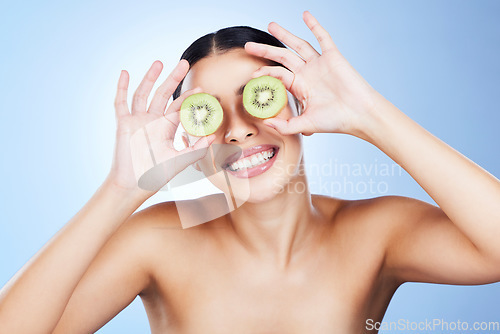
x,y
375,208
419,242
161,217
160,225
185,214
136,241
382,218
160,214
139,229
385,207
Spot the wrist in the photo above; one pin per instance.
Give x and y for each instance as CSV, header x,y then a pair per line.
x,y
379,114
133,196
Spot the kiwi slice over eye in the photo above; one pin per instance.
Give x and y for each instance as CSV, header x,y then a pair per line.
x,y
201,114
264,97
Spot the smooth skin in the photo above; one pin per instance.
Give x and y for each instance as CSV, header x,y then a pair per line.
x,y
294,263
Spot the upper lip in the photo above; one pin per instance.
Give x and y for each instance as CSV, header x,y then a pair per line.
x,y
247,152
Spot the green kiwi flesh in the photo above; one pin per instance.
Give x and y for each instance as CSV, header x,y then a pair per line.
x,y
264,97
201,114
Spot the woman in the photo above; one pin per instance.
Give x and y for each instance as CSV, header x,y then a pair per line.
x,y
283,261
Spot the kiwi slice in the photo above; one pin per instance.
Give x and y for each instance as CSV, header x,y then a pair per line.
x,y
264,97
201,114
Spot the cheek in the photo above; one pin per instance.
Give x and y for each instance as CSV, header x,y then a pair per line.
x,y
294,150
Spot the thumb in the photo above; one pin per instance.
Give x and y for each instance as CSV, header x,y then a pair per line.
x,y
286,127
191,154
204,142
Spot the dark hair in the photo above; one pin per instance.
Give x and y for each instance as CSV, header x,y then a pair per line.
x,y
223,41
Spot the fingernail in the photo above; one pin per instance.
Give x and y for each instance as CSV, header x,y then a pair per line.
x,y
251,44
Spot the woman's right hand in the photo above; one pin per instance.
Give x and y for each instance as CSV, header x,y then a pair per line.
x,y
145,136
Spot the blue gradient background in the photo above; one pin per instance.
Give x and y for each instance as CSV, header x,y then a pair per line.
x,y
60,61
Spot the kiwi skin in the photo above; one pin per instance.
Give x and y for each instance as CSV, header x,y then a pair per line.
x,y
201,114
272,89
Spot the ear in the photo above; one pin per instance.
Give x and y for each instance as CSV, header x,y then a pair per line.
x,y
185,140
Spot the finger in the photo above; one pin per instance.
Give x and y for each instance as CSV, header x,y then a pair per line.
x,y
172,114
121,106
204,142
173,123
303,48
140,100
279,55
167,88
291,126
176,104
185,139
323,37
191,154
286,76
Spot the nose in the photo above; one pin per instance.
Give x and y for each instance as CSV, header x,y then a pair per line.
x,y
240,127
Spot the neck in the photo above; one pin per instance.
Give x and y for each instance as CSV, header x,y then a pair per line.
x,y
277,228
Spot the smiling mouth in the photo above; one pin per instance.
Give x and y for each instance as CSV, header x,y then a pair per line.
x,y
252,161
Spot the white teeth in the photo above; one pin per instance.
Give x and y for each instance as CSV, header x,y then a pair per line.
x,y
253,160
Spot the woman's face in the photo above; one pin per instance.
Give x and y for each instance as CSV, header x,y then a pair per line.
x,y
272,160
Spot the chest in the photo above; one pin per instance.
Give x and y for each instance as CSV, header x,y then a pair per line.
x,y
269,308
225,293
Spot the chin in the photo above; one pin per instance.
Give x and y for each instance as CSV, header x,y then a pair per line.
x,y
259,193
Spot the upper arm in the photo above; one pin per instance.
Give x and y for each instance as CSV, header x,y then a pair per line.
x,y
116,276
424,245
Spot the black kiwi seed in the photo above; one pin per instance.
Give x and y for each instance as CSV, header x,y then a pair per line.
x,y
201,114
264,97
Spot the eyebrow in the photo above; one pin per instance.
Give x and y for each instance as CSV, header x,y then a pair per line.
x,y
239,91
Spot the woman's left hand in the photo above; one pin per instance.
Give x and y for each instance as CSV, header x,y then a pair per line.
x,y
334,96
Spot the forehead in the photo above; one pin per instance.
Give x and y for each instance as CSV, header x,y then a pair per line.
x,y
220,72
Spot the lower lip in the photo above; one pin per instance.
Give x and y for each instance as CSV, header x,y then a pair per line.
x,y
257,170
